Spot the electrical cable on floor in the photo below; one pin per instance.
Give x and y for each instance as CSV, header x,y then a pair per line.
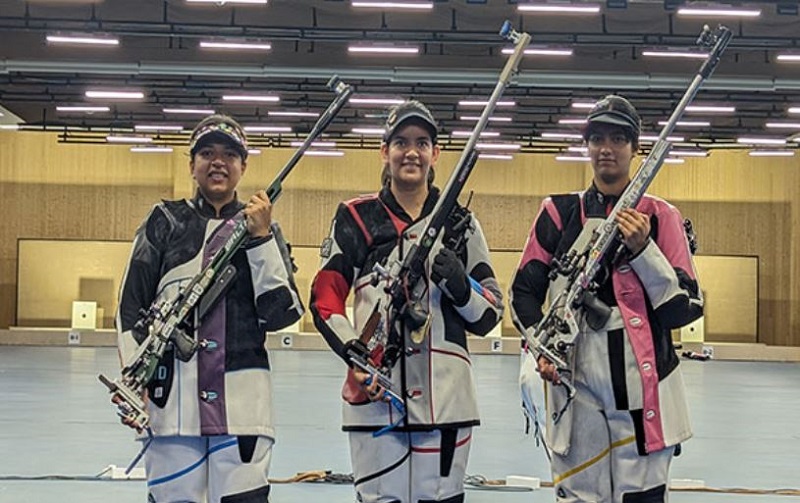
x,y
474,482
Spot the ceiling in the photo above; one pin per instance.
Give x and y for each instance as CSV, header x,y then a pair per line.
x,y
459,58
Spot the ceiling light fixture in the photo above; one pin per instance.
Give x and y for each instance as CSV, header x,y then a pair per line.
x,y
718,11
710,109
262,98
491,119
783,125
652,137
788,57
188,111
128,139
254,46
158,127
669,160
222,3
564,136
794,110
267,129
118,95
254,151
83,109
560,8
583,105
497,146
675,54
375,101
572,158
318,144
498,157
761,141
541,52
688,153
382,49
467,134
151,149
83,40
477,103
771,153
572,121
284,113
370,131
393,5
325,153
687,123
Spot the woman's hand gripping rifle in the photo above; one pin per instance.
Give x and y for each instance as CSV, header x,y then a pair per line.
x,y
164,323
582,270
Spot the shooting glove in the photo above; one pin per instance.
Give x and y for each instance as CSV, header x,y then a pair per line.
x,y
449,275
354,347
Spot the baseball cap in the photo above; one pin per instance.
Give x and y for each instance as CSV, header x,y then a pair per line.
x,y
408,110
218,128
616,110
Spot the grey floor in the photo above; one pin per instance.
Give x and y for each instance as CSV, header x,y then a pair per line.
x,y
55,420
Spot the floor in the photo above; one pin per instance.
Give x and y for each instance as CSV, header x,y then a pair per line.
x,y
57,430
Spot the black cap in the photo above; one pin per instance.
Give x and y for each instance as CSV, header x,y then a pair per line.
x,y
410,109
218,128
614,110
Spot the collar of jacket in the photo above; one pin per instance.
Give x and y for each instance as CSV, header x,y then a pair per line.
x,y
207,209
389,200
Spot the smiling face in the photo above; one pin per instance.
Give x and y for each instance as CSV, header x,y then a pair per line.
x,y
409,153
217,167
611,151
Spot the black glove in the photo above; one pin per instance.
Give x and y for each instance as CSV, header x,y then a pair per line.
x,y
449,274
354,347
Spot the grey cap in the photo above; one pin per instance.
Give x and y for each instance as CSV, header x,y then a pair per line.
x,y
616,110
408,110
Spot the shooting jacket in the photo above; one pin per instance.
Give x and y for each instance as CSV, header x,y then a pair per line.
x,y
433,376
655,291
226,387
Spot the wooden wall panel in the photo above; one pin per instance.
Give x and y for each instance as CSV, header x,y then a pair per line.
x,y
741,205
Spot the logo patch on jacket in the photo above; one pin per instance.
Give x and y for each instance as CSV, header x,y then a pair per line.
x,y
326,247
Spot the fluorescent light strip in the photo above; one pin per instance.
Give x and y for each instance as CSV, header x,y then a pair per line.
x,y
688,153
325,153
473,103
373,49
794,110
236,45
497,146
761,141
560,9
687,123
253,151
572,158
9,127
318,144
572,121
85,109
583,105
674,161
541,52
292,114
676,54
783,125
710,109
652,137
491,119
375,101
368,131
188,111
122,95
267,129
222,3
157,127
484,134
564,136
393,5
151,149
771,153
693,11
581,150
128,139
83,40
264,98
498,157
788,57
